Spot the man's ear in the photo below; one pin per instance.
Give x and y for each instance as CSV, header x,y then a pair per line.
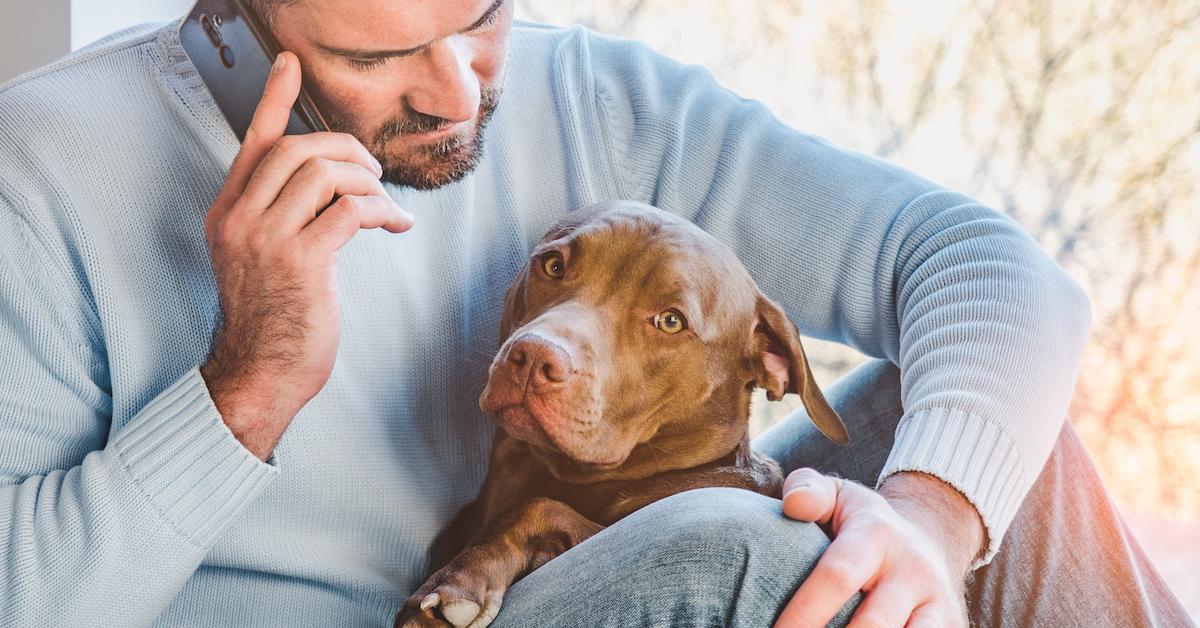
x,y
780,366
514,305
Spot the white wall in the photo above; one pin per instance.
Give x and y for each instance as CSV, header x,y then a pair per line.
x,y
36,32
93,19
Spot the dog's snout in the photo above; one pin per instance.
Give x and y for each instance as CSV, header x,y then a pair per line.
x,y
538,360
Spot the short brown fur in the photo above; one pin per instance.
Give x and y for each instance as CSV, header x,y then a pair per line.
x,y
601,411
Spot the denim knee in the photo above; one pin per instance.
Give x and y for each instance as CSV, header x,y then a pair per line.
x,y
731,517
704,557
752,557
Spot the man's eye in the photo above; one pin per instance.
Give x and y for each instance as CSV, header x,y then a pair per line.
x,y
488,21
366,64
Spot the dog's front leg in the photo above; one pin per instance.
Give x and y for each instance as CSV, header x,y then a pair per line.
x,y
468,591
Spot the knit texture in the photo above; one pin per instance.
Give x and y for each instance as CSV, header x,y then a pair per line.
x,y
124,500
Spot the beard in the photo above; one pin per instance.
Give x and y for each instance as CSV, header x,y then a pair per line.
x,y
425,166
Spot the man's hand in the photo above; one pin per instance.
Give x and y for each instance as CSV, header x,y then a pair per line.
x,y
907,547
274,243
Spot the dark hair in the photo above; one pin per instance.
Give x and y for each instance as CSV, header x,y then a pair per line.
x,y
265,9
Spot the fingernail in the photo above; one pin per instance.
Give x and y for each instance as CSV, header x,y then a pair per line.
x,y
403,212
378,166
280,63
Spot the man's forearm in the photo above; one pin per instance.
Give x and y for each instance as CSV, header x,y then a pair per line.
x,y
938,507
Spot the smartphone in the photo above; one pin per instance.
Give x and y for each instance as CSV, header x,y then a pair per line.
x,y
233,51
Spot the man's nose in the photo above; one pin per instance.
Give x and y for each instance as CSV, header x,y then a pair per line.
x,y
538,362
451,88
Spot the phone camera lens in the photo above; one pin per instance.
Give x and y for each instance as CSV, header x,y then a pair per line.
x,y
210,24
227,56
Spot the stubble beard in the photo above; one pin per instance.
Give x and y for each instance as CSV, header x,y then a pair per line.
x,y
431,165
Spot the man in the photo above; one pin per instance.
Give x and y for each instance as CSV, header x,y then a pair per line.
x,y
250,412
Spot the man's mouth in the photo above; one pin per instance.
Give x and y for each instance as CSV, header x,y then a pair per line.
x,y
441,132
433,142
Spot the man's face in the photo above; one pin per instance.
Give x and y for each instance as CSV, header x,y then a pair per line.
x,y
414,80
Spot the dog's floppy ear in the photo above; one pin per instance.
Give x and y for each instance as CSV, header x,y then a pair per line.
x,y
780,366
514,305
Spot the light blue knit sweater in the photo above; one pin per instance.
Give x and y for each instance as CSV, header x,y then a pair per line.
x,y
124,500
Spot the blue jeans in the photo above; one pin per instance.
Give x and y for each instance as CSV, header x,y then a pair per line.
x,y
728,557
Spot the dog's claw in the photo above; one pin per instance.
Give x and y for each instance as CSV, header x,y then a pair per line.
x,y
491,608
430,601
460,612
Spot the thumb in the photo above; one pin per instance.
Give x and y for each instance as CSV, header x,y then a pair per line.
x,y
269,122
810,496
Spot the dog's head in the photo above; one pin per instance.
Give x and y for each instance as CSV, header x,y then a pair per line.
x,y
631,342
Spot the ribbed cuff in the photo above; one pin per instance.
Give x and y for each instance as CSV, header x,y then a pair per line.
x,y
188,463
968,453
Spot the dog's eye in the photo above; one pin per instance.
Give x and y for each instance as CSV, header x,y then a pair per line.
x,y
553,264
670,321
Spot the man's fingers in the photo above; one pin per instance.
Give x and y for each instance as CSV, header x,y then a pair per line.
x,y
291,152
810,496
848,564
890,603
872,551
929,615
275,107
314,186
337,224
269,121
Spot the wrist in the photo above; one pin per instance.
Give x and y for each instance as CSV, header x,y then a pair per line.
x,y
941,511
248,412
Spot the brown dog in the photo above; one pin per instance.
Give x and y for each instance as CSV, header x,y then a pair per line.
x,y
632,342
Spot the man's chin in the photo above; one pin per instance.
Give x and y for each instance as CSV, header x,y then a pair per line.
x,y
433,165
424,179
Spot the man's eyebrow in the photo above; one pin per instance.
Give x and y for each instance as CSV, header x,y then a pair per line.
x,y
386,54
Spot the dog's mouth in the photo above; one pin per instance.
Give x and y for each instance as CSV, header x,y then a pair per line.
x,y
520,423
559,459
523,424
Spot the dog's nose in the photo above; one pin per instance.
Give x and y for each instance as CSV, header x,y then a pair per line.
x,y
539,361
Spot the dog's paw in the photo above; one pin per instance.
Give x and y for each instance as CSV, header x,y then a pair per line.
x,y
452,598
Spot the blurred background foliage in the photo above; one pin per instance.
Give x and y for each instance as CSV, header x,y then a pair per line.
x,y
1080,120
